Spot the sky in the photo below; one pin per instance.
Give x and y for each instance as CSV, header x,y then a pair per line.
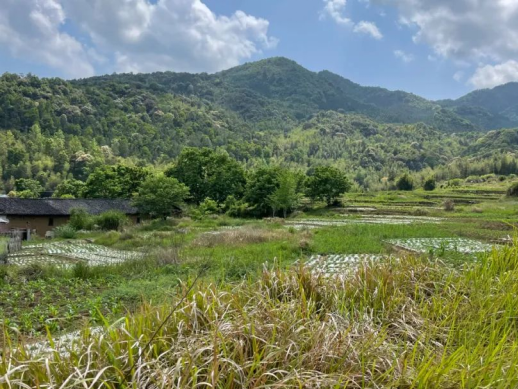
x,y
434,48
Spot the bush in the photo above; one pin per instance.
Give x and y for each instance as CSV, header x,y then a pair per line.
x,y
449,205
405,182
112,220
236,208
455,183
209,207
513,190
66,232
430,184
80,219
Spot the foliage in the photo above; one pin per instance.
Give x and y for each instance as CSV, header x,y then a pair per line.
x,y
327,184
271,111
261,185
236,208
160,196
513,190
111,220
71,187
209,173
430,184
65,231
28,189
112,182
285,198
80,219
209,207
449,205
405,182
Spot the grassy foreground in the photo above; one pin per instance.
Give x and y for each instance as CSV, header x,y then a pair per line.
x,y
407,323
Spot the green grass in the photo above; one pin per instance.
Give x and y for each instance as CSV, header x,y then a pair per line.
x,y
369,238
411,323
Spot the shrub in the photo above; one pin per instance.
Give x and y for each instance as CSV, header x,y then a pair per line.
x,y
455,183
66,232
32,272
449,205
430,184
236,208
209,207
112,220
81,270
513,190
80,219
405,182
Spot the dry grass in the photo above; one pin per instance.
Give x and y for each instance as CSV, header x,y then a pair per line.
x,y
400,324
239,237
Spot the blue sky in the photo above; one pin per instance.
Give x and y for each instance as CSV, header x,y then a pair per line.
x,y
434,48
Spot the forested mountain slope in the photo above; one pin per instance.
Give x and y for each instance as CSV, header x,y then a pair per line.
x,y
271,110
488,108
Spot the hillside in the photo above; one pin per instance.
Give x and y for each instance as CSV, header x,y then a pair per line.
x,y
277,91
488,108
271,110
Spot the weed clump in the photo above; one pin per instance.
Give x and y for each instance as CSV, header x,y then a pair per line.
x,y
513,190
449,205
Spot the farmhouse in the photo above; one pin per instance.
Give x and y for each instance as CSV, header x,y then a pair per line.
x,y
42,215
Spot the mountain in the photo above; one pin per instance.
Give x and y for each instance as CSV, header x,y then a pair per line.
x,y
488,108
278,92
270,110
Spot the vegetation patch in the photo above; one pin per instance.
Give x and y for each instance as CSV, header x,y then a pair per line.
x,y
340,264
69,253
426,245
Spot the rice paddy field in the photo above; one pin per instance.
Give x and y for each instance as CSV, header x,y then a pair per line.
x,y
387,291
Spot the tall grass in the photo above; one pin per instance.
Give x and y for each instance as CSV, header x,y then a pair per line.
x,y
403,323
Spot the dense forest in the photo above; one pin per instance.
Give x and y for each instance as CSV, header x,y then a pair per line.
x,y
271,112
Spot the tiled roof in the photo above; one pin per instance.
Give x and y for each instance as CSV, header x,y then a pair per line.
x,y
62,207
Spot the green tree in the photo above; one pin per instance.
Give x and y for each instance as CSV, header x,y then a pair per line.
x,y
430,184
261,184
208,173
285,198
112,182
71,187
327,184
27,188
160,196
405,182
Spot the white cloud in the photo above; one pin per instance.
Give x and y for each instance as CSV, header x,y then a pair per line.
x,y
468,32
335,9
463,29
405,57
179,35
490,76
31,29
368,28
130,35
458,76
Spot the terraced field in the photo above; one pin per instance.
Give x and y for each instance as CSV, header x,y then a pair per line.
x,y
426,245
340,263
69,253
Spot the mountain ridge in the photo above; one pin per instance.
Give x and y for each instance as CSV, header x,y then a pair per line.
x,y
278,88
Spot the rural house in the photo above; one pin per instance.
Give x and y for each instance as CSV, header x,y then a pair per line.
x,y
42,215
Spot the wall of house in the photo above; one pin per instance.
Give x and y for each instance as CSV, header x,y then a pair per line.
x,y
38,223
